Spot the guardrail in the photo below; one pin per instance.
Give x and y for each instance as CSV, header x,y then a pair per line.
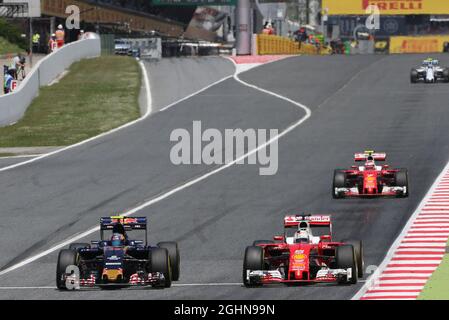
x,y
271,44
14,105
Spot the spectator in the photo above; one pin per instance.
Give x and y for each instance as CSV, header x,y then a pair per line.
x,y
12,67
16,64
311,39
81,35
36,42
60,36
446,47
52,43
268,28
21,68
19,60
301,35
9,77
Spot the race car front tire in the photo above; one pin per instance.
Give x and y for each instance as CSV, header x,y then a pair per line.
x,y
160,262
253,260
175,259
345,258
401,180
66,257
339,182
358,250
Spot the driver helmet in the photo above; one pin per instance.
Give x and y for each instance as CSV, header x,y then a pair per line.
x,y
303,235
60,27
119,228
370,164
117,240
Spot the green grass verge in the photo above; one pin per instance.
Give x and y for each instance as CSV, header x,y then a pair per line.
x,y
8,47
95,96
437,287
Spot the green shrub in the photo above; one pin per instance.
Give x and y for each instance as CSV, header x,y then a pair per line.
x,y
12,34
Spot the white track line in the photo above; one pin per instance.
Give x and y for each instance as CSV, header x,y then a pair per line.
x,y
21,156
207,284
195,93
182,186
399,246
26,288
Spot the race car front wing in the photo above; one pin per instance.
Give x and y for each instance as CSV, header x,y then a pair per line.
x,y
386,192
275,276
155,278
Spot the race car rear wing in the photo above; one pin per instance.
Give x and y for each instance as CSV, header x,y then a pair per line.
x,y
377,156
134,223
313,220
128,223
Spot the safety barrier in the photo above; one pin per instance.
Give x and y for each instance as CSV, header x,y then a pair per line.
x,y
14,105
271,44
421,44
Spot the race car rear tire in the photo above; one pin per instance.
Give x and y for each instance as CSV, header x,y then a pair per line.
x,y
66,257
345,258
160,262
414,76
358,250
175,259
339,182
257,242
401,180
253,260
75,246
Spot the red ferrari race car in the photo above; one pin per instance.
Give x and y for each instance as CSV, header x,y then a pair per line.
x,y
370,179
305,253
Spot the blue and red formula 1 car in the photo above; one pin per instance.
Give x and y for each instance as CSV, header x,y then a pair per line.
x,y
370,179
118,261
305,253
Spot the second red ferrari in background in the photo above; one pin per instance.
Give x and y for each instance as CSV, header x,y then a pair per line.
x,y
370,179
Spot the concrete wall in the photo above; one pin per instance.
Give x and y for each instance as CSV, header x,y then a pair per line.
x,y
14,105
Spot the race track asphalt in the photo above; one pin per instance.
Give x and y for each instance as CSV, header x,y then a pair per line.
x,y
8,161
357,102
